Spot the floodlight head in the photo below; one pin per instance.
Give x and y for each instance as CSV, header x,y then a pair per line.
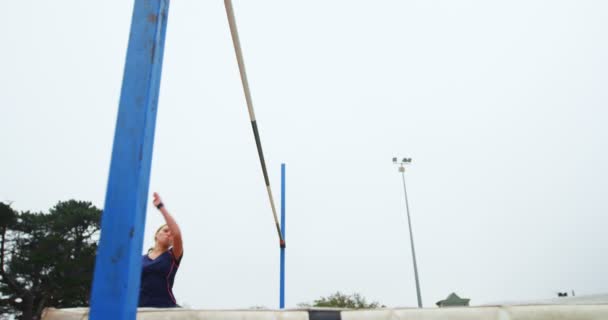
x,y
394,159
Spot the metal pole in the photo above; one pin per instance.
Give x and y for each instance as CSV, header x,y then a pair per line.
x,y
409,222
282,292
115,288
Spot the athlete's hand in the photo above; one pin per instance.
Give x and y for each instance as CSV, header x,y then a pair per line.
x,y
157,200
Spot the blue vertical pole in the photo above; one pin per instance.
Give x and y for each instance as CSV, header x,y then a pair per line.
x,y
116,280
282,294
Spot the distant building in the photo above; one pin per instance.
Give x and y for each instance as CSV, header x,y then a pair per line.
x,y
596,299
453,300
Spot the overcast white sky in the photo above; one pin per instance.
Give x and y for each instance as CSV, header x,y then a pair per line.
x,y
501,104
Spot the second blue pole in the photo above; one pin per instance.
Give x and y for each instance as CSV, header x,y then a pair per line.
x,y
282,289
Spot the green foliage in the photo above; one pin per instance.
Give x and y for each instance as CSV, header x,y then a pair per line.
x,y
340,300
7,215
47,259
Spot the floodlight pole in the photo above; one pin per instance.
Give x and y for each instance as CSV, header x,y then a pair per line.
x,y
402,164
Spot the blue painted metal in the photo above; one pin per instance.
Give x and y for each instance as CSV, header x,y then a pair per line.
x,y
116,280
282,294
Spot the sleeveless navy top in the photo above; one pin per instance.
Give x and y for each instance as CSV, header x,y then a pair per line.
x,y
157,277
